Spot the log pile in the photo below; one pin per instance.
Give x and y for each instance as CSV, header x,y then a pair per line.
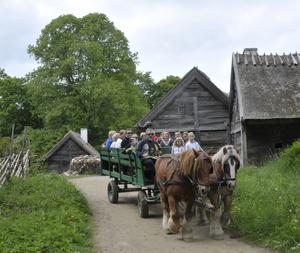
x,y
83,164
14,165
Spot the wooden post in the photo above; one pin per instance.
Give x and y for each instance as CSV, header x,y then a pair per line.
x,y
195,109
244,152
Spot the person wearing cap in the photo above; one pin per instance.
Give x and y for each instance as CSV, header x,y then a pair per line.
x,y
147,149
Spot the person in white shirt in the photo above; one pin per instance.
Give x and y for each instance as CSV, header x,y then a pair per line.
x,y
115,138
192,144
178,146
120,138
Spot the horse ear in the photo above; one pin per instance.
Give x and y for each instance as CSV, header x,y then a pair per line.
x,y
210,151
224,150
195,153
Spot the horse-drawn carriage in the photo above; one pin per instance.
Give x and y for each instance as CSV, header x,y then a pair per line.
x,y
180,180
128,175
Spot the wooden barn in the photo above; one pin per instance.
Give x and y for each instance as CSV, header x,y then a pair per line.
x,y
194,104
264,103
70,146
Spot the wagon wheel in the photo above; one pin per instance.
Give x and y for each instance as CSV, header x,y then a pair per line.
x,y
143,205
112,192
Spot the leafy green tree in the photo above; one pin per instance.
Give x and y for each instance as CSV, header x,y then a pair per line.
x,y
86,76
155,91
15,106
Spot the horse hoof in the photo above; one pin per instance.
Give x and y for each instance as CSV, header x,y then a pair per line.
x,y
203,223
187,238
217,237
168,232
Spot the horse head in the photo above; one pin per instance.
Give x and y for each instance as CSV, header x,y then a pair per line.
x,y
230,165
198,166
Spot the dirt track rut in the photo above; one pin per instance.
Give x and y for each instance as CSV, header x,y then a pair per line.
x,y
118,227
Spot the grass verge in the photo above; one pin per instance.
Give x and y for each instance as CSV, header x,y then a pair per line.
x,y
266,202
44,213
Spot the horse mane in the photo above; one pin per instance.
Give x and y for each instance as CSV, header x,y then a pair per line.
x,y
187,161
221,157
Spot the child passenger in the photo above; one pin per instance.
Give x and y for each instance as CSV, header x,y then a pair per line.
x,y
178,146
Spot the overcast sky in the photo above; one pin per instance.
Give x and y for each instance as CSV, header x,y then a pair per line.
x,y
170,37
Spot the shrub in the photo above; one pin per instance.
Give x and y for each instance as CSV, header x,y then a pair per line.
x,y
266,202
43,213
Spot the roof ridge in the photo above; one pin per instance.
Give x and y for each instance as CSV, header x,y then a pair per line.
x,y
255,59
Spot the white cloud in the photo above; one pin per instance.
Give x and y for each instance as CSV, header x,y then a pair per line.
x,y
170,36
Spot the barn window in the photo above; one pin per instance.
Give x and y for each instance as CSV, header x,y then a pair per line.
x,y
180,109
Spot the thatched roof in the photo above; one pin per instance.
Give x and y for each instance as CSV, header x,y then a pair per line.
x,y
267,86
193,74
77,139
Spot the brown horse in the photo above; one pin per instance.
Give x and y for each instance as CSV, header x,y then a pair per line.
x,y
181,180
226,162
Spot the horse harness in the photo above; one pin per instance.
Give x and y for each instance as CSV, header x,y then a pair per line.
x,y
184,180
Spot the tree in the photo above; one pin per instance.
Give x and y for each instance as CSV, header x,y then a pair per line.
x,y
15,107
86,76
155,91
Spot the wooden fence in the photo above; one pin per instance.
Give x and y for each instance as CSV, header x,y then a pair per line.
x,y
15,164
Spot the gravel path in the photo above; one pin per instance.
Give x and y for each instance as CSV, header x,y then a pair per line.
x,y
118,227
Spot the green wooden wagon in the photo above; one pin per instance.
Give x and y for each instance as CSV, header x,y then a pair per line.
x,y
128,175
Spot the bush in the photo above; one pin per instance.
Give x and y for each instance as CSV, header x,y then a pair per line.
x,y
266,203
44,213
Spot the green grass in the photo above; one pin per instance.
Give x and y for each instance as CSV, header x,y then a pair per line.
x,y
266,203
44,213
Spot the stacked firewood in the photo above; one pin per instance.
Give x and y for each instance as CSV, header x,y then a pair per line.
x,y
14,165
83,164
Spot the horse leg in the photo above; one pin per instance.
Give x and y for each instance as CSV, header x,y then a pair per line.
x,y
187,231
226,217
215,228
166,214
201,216
173,221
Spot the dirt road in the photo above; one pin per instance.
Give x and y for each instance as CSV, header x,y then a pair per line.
x,y
118,227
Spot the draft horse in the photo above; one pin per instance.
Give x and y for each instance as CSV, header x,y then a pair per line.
x,y
226,163
180,181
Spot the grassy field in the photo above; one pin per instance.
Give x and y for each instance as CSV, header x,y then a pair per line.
x,y
44,213
266,205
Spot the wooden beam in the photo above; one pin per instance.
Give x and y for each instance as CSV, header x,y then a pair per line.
x,y
259,60
273,58
266,60
280,59
195,109
253,59
294,60
287,59
245,59
238,58
244,152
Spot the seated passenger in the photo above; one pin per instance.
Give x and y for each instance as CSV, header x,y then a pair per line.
x,y
121,138
178,146
115,138
192,144
166,141
147,150
109,139
126,141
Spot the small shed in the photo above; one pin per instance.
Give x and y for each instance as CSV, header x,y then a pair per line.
x,y
70,146
264,103
194,104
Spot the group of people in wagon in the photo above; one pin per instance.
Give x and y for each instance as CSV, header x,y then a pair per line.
x,y
148,143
